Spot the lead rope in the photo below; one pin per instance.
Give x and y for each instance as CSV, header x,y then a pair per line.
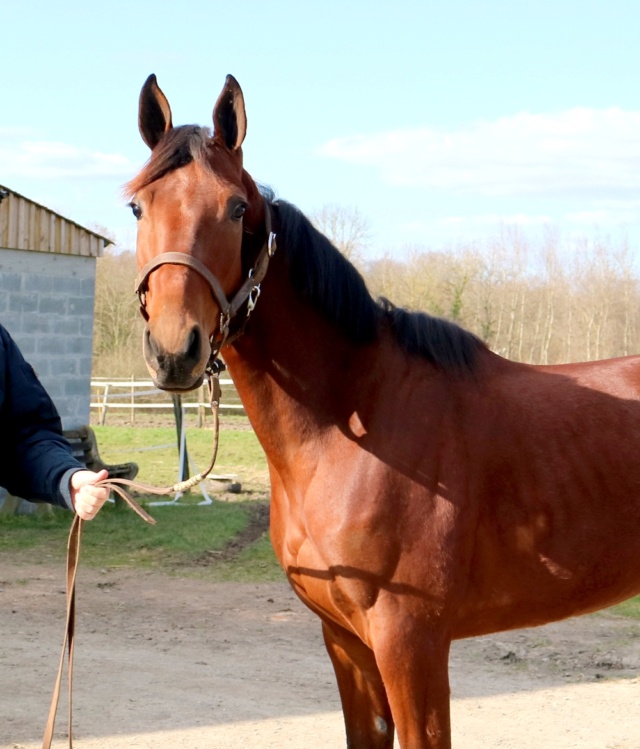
x,y
75,537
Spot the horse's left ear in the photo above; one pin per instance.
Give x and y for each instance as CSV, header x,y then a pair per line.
x,y
229,115
154,113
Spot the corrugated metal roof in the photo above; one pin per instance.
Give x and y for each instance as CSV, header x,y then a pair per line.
x,y
27,225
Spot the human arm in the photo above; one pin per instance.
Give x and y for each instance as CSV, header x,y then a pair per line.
x,y
36,462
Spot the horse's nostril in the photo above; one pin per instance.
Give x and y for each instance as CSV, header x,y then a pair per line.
x,y
149,342
193,344
152,350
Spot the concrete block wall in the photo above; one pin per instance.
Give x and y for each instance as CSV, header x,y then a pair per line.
x,y
46,303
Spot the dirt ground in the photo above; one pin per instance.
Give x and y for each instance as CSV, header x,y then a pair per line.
x,y
177,663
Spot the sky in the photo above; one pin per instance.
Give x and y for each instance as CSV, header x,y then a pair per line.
x,y
442,123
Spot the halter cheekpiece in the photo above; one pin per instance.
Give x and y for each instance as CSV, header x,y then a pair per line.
x,y
248,292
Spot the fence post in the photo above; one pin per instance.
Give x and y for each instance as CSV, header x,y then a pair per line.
x,y
103,413
133,410
201,406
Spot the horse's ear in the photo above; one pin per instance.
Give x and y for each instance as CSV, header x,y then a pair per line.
x,y
229,115
154,113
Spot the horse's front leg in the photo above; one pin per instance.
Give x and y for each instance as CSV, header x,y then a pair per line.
x,y
367,715
414,664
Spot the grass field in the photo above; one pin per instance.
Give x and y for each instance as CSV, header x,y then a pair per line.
x,y
188,538
155,451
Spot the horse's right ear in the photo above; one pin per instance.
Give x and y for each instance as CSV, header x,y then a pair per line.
x,y
154,113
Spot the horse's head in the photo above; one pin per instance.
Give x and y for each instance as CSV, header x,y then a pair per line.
x,y
202,224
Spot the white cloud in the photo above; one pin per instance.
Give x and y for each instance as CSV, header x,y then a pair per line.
x,y
577,151
39,159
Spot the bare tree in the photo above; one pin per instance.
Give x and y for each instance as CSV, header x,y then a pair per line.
x,y
117,322
542,303
347,229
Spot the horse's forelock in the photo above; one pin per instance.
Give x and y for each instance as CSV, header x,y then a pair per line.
x,y
177,148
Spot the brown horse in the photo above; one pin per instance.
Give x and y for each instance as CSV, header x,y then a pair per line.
x,y
423,488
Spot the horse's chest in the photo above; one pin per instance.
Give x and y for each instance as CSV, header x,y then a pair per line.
x,y
340,592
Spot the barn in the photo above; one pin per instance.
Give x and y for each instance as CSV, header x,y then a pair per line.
x,y
47,284
47,290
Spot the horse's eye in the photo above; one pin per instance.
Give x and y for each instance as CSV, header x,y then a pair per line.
x,y
238,212
136,210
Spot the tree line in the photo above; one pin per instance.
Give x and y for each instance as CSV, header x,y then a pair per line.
x,y
544,303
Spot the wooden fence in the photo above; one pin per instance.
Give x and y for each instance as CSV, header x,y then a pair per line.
x,y
122,393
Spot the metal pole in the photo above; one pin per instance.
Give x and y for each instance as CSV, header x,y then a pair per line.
x,y
182,439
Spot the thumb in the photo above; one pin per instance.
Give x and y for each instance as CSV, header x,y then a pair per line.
x,y
84,478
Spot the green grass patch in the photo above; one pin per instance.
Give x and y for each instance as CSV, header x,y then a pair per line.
x,y
256,563
186,539
629,608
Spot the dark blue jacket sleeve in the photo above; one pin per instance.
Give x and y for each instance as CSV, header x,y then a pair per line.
x,y
35,455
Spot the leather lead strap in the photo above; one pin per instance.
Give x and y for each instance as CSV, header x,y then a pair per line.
x,y
73,553
73,558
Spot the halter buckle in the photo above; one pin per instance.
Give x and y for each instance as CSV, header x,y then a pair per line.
x,y
254,295
271,244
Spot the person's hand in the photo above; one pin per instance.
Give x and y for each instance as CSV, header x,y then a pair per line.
x,y
86,497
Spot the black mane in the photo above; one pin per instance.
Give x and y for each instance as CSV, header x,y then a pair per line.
x,y
331,283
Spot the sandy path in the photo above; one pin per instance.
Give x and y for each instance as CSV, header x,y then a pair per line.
x,y
173,663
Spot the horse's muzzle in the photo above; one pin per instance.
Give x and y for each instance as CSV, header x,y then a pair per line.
x,y
176,370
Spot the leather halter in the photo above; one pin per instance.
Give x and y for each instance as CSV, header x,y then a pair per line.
x,y
248,292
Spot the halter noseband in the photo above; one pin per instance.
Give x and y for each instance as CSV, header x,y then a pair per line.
x,y
248,292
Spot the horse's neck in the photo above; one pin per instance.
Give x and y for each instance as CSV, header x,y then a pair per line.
x,y
293,374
